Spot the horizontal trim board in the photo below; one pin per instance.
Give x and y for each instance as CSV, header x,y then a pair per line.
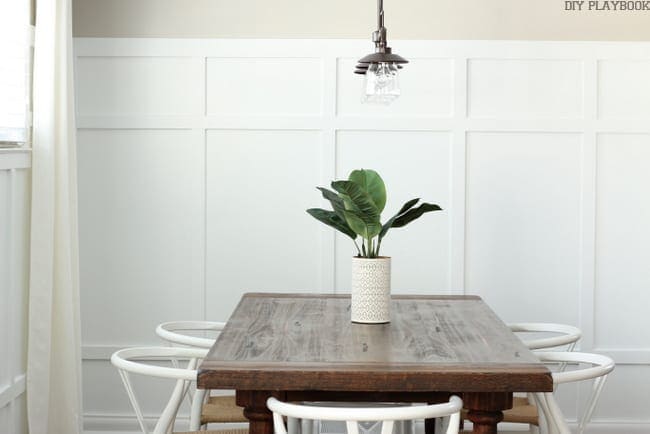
x,y
242,48
13,391
15,159
374,123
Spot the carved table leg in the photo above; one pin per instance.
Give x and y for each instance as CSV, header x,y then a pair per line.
x,y
485,410
485,422
259,416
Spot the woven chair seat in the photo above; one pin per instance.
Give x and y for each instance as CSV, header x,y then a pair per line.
x,y
522,411
222,409
219,431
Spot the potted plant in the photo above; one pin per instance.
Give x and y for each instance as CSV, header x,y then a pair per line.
x,y
357,204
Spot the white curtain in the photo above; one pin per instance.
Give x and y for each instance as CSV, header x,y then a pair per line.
x,y
54,348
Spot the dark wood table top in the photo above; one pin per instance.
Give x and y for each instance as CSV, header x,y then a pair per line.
x,y
307,342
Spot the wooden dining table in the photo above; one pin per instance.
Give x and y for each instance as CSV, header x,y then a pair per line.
x,y
303,347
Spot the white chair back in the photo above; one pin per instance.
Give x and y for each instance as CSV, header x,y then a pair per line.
x,y
564,335
600,368
125,362
176,333
169,331
450,411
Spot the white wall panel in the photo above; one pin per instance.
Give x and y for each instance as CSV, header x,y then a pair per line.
x,y
141,232
259,237
427,90
127,86
630,384
418,167
152,393
623,89
240,86
14,270
523,224
198,158
622,241
529,89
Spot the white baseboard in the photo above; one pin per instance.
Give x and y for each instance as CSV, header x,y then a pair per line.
x,y
122,423
609,427
127,424
623,427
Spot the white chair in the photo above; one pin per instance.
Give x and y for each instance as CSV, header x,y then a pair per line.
x,y
449,411
561,336
552,420
205,409
131,360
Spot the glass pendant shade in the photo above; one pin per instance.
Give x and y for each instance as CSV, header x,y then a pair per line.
x,y
381,83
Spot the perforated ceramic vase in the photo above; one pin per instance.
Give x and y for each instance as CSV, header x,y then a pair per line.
x,y
370,290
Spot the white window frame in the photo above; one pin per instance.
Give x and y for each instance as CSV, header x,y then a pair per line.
x,y
8,144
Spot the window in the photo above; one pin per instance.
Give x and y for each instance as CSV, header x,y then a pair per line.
x,y
15,72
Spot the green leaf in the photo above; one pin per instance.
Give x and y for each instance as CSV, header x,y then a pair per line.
x,y
357,200
389,224
371,183
330,218
414,213
338,205
365,229
361,213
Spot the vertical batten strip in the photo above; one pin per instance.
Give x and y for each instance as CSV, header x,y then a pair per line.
x,y
12,296
6,288
328,166
203,133
458,179
587,288
204,242
588,204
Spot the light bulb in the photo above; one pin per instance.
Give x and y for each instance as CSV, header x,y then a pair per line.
x,y
381,85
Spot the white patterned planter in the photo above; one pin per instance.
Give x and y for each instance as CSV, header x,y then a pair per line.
x,y
370,290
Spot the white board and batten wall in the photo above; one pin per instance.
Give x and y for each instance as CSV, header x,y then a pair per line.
x,y
197,159
15,193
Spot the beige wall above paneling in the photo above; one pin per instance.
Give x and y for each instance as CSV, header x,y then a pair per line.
x,y
412,19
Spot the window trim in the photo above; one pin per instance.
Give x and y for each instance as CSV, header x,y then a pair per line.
x,y
26,144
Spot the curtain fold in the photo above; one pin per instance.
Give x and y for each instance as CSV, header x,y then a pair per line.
x,y
54,337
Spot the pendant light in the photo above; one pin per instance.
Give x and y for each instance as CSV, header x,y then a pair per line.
x,y
381,68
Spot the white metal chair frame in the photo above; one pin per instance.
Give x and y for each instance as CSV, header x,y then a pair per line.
x,y
352,415
568,335
123,361
168,332
551,418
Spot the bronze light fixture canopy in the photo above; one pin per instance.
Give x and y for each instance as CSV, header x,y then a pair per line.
x,y
381,84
